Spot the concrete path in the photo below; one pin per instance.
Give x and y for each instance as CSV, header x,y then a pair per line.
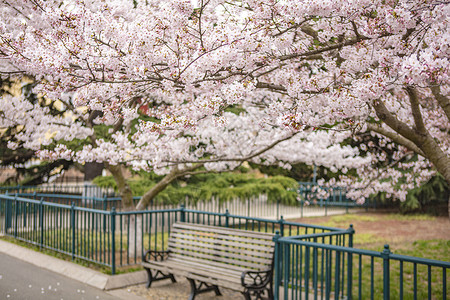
x,y
22,280
27,274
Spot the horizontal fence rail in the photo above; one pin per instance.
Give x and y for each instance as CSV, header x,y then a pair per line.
x,y
253,207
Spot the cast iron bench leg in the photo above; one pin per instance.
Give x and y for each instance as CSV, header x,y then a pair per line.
x,y
158,276
202,287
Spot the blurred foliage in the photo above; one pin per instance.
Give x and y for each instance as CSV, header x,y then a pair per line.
x,y
224,186
430,198
23,160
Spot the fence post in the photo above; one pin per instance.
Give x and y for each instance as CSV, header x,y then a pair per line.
x,y
182,213
385,255
346,202
302,204
281,222
227,216
104,216
8,215
113,240
350,262
278,208
277,265
72,225
16,214
41,221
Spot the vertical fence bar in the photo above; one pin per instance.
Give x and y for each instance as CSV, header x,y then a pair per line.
x,y
16,213
182,213
72,227
350,263
307,263
227,217
337,275
277,264
41,222
444,283
286,260
386,282
113,240
8,215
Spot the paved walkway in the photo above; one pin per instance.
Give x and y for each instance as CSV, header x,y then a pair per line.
x,y
27,274
22,280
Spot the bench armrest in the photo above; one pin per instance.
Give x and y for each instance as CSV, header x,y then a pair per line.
x,y
153,255
258,279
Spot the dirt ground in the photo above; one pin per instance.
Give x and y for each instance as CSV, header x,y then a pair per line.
x,y
166,290
394,229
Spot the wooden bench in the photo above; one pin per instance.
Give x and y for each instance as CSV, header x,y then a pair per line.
x,y
210,256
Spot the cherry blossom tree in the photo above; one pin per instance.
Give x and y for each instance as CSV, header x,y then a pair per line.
x,y
321,71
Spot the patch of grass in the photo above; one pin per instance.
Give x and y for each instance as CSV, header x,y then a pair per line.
x,y
348,218
399,217
360,240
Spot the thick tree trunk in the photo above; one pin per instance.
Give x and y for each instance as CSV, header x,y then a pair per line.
x,y
92,170
418,135
122,186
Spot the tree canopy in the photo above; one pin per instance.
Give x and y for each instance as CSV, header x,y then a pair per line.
x,y
197,85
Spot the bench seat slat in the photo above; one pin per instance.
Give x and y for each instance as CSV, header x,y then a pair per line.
x,y
226,230
217,263
236,242
226,237
204,247
219,255
208,257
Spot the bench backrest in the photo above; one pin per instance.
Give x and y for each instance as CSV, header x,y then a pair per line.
x,y
215,246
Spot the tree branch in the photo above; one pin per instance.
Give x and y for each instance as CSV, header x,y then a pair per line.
x,y
415,109
245,158
443,101
161,185
395,137
398,126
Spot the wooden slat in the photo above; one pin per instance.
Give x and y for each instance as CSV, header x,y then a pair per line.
x,y
225,230
194,245
222,259
214,252
240,241
210,263
232,260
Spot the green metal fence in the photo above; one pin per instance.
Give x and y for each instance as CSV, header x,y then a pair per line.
x,y
253,207
113,238
311,262
317,270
